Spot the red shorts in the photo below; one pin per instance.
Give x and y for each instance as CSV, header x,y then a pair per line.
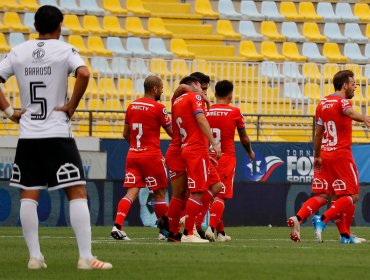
x,y
226,171
337,176
175,163
200,171
146,172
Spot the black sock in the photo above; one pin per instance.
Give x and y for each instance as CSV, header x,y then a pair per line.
x,y
118,226
299,218
346,235
323,217
222,232
185,232
213,229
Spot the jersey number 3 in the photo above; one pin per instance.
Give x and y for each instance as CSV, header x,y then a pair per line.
x,y
38,100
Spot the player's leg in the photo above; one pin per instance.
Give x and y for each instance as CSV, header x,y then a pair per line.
x,y
216,212
160,204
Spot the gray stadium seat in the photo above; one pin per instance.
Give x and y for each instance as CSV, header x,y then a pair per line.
x,y
157,47
249,9
72,7
16,38
114,44
345,12
332,32
91,7
135,45
311,51
353,52
120,68
354,34
290,31
102,66
291,72
247,30
269,70
227,11
270,11
325,10
140,68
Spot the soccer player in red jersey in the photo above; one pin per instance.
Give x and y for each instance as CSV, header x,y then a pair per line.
x,y
195,134
335,171
145,165
223,120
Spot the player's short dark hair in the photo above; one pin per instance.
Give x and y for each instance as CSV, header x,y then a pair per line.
x,y
342,77
47,19
188,80
203,78
224,88
151,82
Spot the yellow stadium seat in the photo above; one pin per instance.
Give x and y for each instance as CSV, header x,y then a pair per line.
x,y
82,106
11,87
12,20
114,105
112,25
166,90
201,65
215,52
288,10
114,7
91,24
290,51
125,88
225,29
33,36
269,30
356,69
12,5
73,24
17,102
367,32
106,88
95,43
4,47
179,48
333,54
83,129
182,29
77,41
307,10
330,69
362,11
248,50
95,72
29,5
118,129
136,7
166,9
96,104
159,67
134,26
328,89
311,32
103,129
180,68
204,8
3,27
312,72
312,91
92,88
269,51
156,27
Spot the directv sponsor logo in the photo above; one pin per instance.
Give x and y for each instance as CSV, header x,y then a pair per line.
x,y
299,166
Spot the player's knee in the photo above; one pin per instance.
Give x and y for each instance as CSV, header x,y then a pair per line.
x,y
355,198
216,188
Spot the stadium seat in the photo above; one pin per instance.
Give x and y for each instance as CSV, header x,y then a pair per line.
x,y
77,41
179,68
201,65
225,28
114,7
307,10
332,32
16,38
91,7
29,5
311,72
136,7
367,50
159,67
139,87
344,11
353,52
291,33
325,10
112,25
73,24
269,30
204,8
270,11
140,68
247,31
101,65
290,51
158,48
29,20
248,50
311,51
157,27
12,20
33,36
270,70
91,24
354,34
96,104
362,11
330,69
249,9
125,88
107,88
357,70
114,44
103,128
313,91
171,9
311,32
291,72
52,3
332,52
269,51
92,89
135,45
120,68
12,5
179,48
114,105
3,27
95,43
293,91
135,27
288,10
227,11
11,89
71,7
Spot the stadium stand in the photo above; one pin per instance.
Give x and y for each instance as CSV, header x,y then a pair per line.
x,y
247,31
114,7
249,9
332,32
290,31
226,10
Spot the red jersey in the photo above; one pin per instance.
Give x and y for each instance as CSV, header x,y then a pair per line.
x,y
145,118
184,110
337,138
176,137
224,119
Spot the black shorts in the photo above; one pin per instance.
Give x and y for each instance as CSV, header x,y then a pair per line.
x,y
50,163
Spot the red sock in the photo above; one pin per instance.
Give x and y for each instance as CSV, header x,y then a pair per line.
x,y
220,226
160,207
183,212
340,221
339,206
217,210
349,216
311,206
123,208
174,213
206,200
192,209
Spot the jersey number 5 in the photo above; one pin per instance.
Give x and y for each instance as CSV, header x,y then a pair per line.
x,y
38,100
182,130
139,127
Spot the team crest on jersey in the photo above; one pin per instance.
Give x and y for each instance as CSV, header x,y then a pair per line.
x,y
198,97
40,44
38,53
165,111
74,51
345,102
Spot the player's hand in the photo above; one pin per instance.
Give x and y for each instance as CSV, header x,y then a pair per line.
x,y
214,161
17,115
252,155
367,122
317,162
217,150
206,100
67,108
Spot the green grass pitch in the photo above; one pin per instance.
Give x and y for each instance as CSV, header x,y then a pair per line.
x,y
254,253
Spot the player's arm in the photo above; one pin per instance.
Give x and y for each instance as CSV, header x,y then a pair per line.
x,y
168,130
317,141
356,116
206,129
246,143
126,133
12,114
183,88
